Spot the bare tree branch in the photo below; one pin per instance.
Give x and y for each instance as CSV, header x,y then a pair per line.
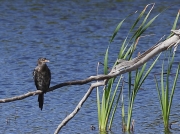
x,y
20,97
78,82
123,67
70,116
132,65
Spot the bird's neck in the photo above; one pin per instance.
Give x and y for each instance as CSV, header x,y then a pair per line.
x,y
43,67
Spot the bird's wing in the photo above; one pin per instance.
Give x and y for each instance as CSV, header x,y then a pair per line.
x,y
49,74
35,72
35,75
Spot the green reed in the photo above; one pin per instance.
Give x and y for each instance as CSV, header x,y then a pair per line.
x,y
164,93
107,104
165,97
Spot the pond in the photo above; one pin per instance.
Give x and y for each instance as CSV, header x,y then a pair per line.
x,y
74,36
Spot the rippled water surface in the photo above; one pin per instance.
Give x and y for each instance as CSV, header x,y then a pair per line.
x,y
74,36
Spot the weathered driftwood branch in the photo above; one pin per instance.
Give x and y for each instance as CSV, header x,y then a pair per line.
x,y
123,68
70,116
78,82
20,97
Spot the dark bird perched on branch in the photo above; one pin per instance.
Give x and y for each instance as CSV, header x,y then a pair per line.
x,y
42,78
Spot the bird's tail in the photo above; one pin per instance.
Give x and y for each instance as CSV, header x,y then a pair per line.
x,y
41,100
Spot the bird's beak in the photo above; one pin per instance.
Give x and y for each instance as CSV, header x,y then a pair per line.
x,y
46,61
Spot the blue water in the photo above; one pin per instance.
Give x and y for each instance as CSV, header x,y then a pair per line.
x,y
74,36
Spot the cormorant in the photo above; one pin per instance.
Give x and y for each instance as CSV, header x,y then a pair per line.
x,y
42,78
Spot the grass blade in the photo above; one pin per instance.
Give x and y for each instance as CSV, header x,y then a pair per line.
x,y
106,62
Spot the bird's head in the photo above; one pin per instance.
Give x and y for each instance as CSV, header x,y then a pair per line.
x,y
42,61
